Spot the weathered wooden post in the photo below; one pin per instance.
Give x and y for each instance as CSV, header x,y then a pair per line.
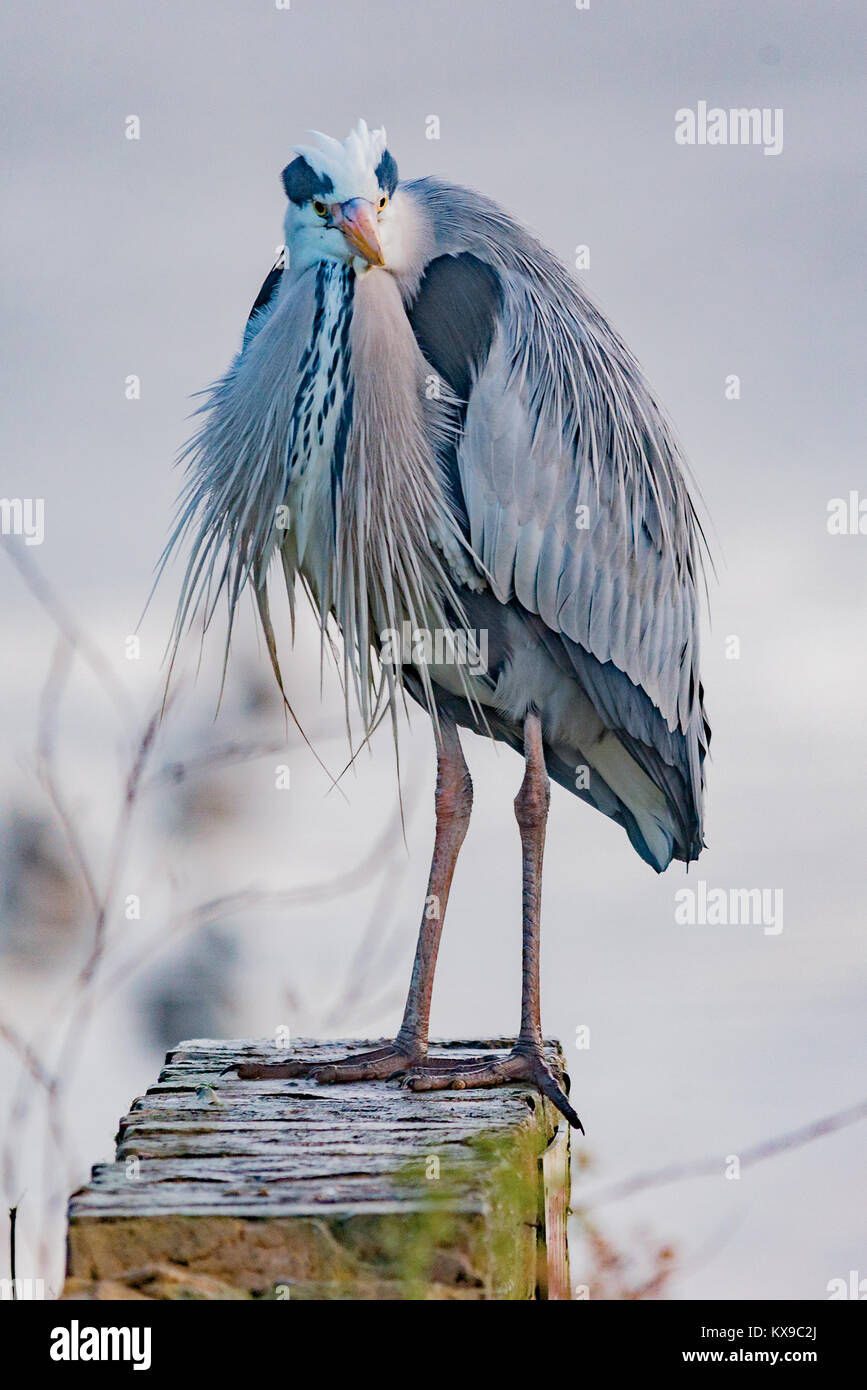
x,y
286,1189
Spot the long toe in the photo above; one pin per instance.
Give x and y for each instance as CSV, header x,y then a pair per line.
x,y
376,1065
458,1076
439,1074
393,1063
448,1064
265,1071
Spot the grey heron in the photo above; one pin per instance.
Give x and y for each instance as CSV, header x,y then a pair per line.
x,y
433,429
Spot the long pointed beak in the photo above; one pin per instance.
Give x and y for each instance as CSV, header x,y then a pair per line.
x,y
357,221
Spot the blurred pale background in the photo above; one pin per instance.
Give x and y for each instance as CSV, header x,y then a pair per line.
x,y
142,257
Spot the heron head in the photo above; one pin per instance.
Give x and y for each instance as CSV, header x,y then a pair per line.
x,y
340,200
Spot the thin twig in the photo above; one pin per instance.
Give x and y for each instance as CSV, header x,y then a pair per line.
x,y
71,629
710,1167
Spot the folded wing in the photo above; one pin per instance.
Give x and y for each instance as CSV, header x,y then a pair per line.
x,y
570,484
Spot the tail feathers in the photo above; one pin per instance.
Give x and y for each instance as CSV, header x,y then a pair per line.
x,y
650,833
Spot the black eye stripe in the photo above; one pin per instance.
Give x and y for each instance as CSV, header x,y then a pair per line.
x,y
386,172
302,183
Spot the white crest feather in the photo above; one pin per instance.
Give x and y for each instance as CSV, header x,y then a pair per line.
x,y
350,163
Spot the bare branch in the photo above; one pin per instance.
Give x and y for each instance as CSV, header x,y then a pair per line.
x,y
75,635
711,1167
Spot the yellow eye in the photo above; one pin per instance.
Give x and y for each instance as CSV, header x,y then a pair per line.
x,y
319,208
382,202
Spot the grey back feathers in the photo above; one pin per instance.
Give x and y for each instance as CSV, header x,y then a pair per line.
x,y
577,501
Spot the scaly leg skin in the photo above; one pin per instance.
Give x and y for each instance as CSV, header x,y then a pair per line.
x,y
526,1061
454,800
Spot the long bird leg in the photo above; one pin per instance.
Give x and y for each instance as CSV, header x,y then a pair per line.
x,y
454,800
526,1061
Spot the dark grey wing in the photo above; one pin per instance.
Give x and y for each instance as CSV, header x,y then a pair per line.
x,y
572,487
265,300
454,318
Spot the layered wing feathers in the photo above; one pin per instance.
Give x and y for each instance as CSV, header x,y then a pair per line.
x,y
574,491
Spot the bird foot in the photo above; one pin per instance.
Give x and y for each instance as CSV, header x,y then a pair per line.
x,y
378,1065
524,1063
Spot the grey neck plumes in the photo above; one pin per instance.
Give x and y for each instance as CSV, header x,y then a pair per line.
x,y
393,522
319,446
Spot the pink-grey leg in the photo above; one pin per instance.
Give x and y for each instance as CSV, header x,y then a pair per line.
x,y
526,1061
454,800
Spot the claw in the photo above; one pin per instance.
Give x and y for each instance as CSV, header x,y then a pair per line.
x,y
522,1064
